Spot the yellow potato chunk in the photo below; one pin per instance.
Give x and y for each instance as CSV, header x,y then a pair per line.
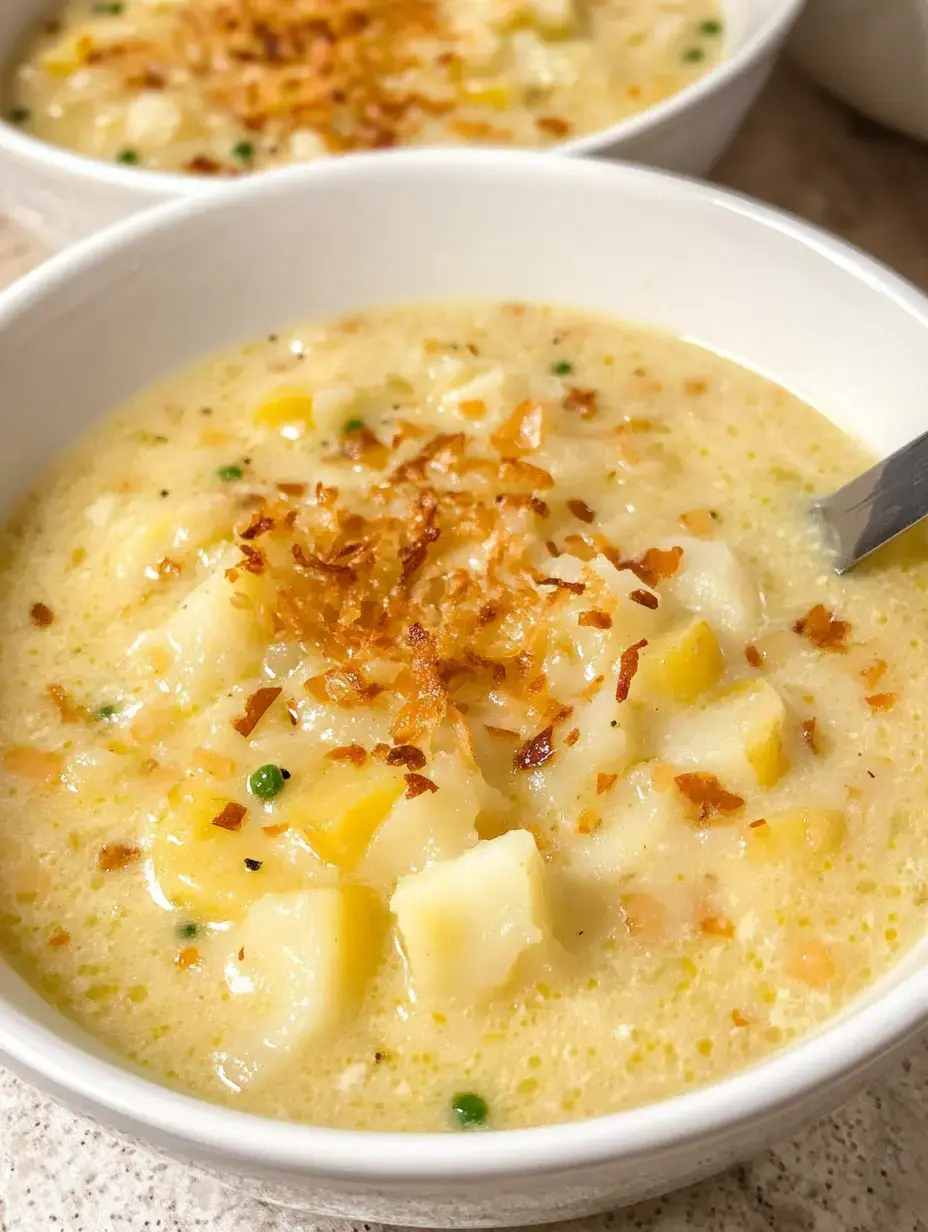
x,y
288,410
67,55
341,810
797,833
300,963
465,922
739,737
682,664
201,867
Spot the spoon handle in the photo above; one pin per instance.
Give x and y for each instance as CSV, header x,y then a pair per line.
x,y
877,506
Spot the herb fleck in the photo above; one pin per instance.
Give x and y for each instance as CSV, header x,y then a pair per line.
x,y
230,473
129,157
562,368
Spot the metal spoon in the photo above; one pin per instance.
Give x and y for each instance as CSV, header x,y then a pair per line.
x,y
876,507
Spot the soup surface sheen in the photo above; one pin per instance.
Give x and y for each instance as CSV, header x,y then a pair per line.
x,y
217,87
455,701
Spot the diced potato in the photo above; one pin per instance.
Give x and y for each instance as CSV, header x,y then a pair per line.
x,y
152,119
177,534
768,756
300,963
797,834
738,737
641,826
465,922
712,582
217,636
433,826
608,740
201,867
287,410
339,812
631,620
682,664
305,145
538,63
332,406
68,54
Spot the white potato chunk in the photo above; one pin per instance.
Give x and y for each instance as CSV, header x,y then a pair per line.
x,y
540,64
305,145
299,962
609,741
712,582
641,826
152,119
178,534
739,738
465,922
433,826
216,636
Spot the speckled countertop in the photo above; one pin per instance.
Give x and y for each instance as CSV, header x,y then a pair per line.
x,y
865,1169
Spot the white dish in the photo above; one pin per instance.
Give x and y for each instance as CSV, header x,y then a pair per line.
x,y
872,54
84,331
61,196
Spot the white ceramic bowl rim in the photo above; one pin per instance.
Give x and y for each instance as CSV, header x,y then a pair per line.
x,y
372,1158
777,22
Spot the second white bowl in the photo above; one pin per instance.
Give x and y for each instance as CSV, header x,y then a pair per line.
x,y
61,197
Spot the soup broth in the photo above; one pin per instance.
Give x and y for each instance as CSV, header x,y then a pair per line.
x,y
447,716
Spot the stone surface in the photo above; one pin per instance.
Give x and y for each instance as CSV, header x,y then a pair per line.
x,y
865,1169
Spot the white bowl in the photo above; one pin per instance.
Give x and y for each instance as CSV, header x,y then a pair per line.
x,y
872,54
61,197
84,331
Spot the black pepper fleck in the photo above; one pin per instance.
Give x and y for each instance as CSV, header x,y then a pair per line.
x,y
252,865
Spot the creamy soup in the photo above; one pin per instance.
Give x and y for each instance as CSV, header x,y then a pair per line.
x,y
218,87
447,716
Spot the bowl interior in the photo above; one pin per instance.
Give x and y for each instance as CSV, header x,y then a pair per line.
x,y
84,332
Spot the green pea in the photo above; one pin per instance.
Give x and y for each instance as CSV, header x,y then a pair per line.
x,y
129,157
266,782
244,150
230,473
469,1109
563,368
